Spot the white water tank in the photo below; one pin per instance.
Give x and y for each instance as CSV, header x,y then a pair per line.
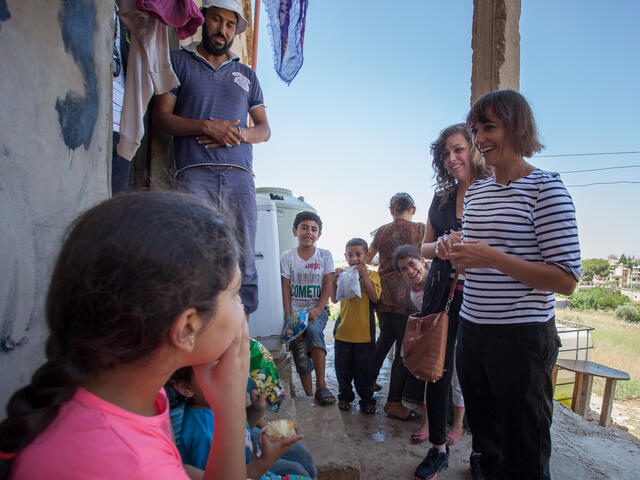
x,y
266,323
288,207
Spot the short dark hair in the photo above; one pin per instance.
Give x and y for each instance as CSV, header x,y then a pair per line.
x,y
176,399
512,109
358,242
401,202
302,216
405,251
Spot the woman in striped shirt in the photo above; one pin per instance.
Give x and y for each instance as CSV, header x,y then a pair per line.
x,y
520,246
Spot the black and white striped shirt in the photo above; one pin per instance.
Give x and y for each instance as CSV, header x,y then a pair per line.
x,y
532,218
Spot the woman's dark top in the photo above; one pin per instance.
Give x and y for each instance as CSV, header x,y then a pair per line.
x,y
442,217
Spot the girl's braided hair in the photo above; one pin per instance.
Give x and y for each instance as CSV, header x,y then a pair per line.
x,y
127,269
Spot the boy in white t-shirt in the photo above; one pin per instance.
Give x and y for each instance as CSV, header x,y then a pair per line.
x,y
307,282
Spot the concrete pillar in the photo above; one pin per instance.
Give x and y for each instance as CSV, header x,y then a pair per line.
x,y
55,147
496,46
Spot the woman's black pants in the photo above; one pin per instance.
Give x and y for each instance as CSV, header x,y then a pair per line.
x,y
505,374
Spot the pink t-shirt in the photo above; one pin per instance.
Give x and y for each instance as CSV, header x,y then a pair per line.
x,y
94,439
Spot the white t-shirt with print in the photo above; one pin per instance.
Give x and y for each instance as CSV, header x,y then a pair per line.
x,y
305,276
416,295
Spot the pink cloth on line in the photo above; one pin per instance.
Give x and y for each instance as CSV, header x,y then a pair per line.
x,y
183,15
94,439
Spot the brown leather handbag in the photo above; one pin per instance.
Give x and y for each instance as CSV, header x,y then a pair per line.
x,y
424,345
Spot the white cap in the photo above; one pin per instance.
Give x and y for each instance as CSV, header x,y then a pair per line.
x,y
234,6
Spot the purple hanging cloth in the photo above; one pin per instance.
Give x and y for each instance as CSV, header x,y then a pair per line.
x,y
183,15
287,24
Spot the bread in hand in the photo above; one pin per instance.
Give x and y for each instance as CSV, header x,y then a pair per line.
x,y
279,429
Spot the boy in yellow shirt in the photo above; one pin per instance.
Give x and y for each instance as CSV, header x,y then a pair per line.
x,y
355,333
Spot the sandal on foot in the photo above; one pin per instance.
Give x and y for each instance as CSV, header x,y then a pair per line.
x,y
368,409
419,437
324,396
453,437
413,416
343,405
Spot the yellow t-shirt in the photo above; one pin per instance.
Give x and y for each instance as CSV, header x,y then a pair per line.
x,y
357,321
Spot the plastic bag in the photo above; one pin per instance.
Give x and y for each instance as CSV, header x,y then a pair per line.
x,y
348,284
295,326
263,375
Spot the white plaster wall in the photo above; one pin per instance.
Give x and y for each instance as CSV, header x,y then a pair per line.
x,y
45,182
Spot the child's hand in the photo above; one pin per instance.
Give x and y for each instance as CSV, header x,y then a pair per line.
x,y
315,312
259,402
339,271
257,407
224,384
362,270
272,450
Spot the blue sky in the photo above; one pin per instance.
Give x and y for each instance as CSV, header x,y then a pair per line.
x,y
379,82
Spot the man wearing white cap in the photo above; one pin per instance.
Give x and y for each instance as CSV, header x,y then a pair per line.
x,y
208,117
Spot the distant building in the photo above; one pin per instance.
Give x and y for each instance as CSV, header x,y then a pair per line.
x,y
600,281
621,275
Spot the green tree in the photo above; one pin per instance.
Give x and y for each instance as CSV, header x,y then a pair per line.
x,y
594,266
624,260
595,298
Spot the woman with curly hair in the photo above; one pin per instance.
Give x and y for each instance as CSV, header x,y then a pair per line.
x,y
457,164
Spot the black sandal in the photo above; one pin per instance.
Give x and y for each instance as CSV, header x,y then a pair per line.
x,y
324,396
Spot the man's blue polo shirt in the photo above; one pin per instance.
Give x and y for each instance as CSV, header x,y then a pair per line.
x,y
228,93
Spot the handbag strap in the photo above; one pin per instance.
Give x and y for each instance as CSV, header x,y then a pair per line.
x,y
454,283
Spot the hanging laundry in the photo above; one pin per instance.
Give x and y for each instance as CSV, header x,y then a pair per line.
x,y
149,72
287,20
183,15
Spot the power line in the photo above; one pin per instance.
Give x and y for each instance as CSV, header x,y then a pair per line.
x,y
584,154
600,183
600,169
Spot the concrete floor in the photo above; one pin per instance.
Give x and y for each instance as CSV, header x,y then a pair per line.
x,y
381,445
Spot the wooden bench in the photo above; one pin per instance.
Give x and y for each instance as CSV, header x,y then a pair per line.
x,y
585,371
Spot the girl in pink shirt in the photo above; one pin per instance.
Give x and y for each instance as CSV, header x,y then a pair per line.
x,y
145,283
